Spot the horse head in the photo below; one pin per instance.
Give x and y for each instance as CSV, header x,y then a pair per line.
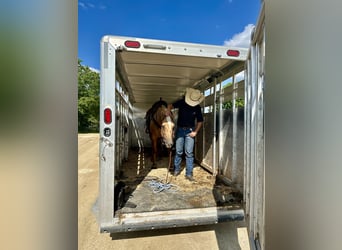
x,y
167,126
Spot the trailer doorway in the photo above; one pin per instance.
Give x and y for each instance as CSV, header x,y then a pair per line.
x,y
132,79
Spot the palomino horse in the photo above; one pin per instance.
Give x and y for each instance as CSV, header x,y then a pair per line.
x,y
159,125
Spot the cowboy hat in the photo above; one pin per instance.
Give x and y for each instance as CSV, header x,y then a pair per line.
x,y
193,97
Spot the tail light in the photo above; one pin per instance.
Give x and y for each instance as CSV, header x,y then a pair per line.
x,y
108,116
234,53
132,44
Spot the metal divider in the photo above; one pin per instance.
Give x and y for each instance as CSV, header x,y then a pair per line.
x,y
123,122
222,135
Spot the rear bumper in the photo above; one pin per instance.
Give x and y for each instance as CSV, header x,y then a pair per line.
x,y
126,222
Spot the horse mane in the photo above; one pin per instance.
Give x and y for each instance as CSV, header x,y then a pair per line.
x,y
153,110
157,104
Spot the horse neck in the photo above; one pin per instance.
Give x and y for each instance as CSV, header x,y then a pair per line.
x,y
159,115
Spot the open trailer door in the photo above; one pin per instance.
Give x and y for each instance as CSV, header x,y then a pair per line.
x,y
254,193
135,73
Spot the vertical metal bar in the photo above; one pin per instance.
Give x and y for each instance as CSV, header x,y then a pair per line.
x,y
262,222
117,138
214,130
203,131
220,142
256,124
234,139
118,130
245,136
247,145
252,201
121,129
260,142
126,132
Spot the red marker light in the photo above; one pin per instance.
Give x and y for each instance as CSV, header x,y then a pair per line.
x,y
132,44
231,52
108,116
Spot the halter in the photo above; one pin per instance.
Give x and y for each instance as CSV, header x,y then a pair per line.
x,y
167,117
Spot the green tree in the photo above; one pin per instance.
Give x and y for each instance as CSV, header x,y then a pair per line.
x,y
239,103
88,99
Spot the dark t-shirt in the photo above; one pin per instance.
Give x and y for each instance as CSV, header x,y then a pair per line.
x,y
187,114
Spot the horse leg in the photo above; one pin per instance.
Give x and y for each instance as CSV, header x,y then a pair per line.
x,y
169,166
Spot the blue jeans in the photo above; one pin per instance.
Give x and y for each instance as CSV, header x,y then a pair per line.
x,y
183,141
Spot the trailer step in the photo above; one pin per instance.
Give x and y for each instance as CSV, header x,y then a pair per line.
x,y
125,222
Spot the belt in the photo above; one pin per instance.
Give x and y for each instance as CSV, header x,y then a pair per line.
x,y
185,128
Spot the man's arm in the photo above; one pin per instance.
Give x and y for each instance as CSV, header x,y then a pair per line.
x,y
199,118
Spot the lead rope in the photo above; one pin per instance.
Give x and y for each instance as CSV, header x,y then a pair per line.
x,y
159,186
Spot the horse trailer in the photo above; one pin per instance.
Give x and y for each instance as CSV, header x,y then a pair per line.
x,y
137,72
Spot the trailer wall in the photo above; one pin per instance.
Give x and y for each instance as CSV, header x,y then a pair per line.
x,y
220,143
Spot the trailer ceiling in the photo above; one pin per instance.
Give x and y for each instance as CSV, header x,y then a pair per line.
x,y
151,76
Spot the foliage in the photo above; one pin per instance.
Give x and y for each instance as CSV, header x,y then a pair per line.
x,y
239,103
88,99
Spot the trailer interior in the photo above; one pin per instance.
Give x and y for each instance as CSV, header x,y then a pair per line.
x,y
135,73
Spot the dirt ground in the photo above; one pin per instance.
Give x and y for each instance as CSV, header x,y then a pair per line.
x,y
229,235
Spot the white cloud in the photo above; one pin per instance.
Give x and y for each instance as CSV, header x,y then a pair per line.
x,y
241,39
240,76
95,70
85,6
82,5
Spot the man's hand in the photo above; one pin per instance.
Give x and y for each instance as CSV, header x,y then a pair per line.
x,y
198,127
192,134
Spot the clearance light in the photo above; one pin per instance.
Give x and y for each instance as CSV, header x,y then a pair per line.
x,y
132,44
108,116
231,52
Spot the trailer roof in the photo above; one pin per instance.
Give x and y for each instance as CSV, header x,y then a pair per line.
x,y
153,69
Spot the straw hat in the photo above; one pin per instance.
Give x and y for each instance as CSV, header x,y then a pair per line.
x,y
193,97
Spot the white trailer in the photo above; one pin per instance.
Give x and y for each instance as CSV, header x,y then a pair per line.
x,y
136,72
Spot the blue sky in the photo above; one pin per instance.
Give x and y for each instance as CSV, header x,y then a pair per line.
x,y
216,22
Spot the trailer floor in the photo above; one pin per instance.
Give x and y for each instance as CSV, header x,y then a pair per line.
x,y
140,196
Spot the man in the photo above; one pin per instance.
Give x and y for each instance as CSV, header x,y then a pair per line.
x,y
190,120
